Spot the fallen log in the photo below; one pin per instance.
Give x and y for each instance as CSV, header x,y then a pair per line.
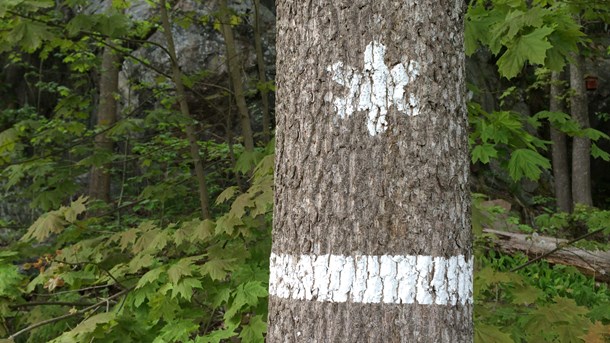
x,y
592,263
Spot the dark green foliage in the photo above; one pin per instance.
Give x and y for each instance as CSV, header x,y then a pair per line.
x,y
539,303
180,282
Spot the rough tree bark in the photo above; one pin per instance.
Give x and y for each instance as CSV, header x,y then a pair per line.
x,y
581,146
204,201
371,237
99,182
234,65
561,169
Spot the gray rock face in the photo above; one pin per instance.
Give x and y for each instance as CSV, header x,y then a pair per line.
x,y
199,46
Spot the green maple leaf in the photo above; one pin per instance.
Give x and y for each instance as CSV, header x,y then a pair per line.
x,y
483,153
30,5
597,333
163,307
570,332
254,330
226,194
76,207
593,134
127,238
556,316
179,269
8,140
203,231
600,312
527,163
531,47
228,223
79,23
250,292
9,281
246,294
238,208
221,297
152,276
597,152
218,336
44,226
263,202
247,160
517,20
159,242
477,28
141,261
194,231
185,287
526,295
176,331
8,4
143,293
115,25
217,269
153,240
484,333
90,324
564,39
487,277
29,35
182,235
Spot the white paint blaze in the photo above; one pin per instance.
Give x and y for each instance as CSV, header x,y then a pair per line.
x,y
425,280
375,89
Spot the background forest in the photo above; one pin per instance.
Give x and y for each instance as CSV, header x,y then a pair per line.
x,y
137,156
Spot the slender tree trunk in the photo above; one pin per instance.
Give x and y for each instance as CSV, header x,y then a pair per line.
x,y
262,78
229,140
184,108
581,146
234,65
99,183
371,236
561,169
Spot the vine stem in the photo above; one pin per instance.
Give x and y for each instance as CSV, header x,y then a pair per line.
x,y
65,316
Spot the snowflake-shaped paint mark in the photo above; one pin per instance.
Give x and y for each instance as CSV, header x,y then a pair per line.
x,y
376,88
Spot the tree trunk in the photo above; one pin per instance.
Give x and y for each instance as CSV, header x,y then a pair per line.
x,y
581,146
561,171
99,182
262,78
184,108
234,65
371,236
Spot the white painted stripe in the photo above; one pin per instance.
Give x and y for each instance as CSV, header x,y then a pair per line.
x,y
366,279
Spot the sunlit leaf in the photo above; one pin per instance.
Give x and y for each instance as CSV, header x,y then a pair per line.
x,y
597,333
47,224
531,47
76,207
184,288
226,194
179,269
152,276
